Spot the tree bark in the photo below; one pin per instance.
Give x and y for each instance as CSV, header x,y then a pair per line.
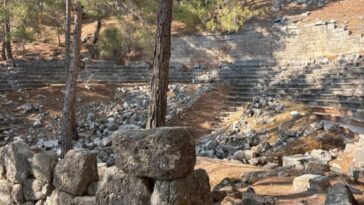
x,y
93,47
69,130
7,36
67,41
162,52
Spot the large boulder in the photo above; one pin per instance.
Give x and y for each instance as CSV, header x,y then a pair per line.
x,y
340,194
192,190
162,153
2,165
35,189
75,172
17,163
43,165
310,182
5,193
117,188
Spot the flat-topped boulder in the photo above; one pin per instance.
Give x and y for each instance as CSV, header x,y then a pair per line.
x,y
164,153
75,172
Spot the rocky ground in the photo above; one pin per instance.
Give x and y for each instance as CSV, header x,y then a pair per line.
x,y
269,151
124,107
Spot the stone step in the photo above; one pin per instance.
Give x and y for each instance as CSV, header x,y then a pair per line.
x,y
358,122
317,102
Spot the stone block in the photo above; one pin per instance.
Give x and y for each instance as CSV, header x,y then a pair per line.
x,y
310,182
75,172
35,189
117,188
17,163
43,165
162,153
191,190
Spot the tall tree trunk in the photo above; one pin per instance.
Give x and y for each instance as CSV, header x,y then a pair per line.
x,y
162,52
7,36
3,55
69,130
67,40
93,48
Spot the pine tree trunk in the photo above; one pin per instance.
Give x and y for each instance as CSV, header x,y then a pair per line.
x,y
69,130
3,55
162,52
7,36
67,41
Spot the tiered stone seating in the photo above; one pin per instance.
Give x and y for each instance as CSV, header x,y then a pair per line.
x,y
37,74
320,86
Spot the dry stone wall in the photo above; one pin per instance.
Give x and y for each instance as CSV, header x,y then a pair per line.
x,y
154,167
277,44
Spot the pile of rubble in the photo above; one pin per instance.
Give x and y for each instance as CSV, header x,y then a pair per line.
x,y
99,121
240,142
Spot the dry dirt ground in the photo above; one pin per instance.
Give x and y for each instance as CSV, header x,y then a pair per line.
x,y
277,187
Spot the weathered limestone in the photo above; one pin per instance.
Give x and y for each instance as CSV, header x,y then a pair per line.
x,y
2,165
17,162
340,194
117,188
192,190
5,190
75,172
321,156
59,198
162,154
35,189
84,200
17,193
43,165
310,182
297,161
